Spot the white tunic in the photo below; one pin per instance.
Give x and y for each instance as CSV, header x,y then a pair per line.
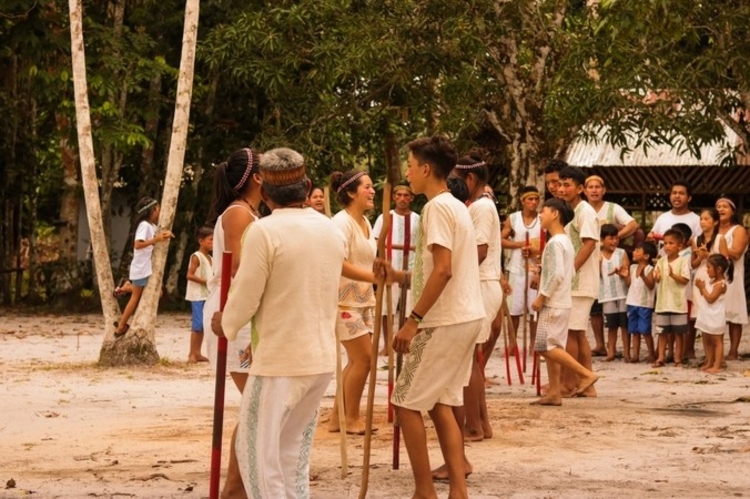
x,y
711,318
736,304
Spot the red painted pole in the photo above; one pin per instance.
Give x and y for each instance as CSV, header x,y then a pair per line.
x,y
221,373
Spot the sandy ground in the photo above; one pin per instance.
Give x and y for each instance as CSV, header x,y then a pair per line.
x,y
69,429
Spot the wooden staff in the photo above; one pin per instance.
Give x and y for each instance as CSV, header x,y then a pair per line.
x,y
392,175
339,375
525,300
504,328
401,321
516,354
221,374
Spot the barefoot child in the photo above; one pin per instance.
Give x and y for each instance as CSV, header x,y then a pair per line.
x,y
200,271
640,299
440,334
613,291
146,237
553,302
672,275
708,243
711,321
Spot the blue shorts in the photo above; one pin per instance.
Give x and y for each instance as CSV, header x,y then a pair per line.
x,y
141,283
196,322
639,319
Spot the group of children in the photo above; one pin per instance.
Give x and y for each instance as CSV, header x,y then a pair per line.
x,y
686,281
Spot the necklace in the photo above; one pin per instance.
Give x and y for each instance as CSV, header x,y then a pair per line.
x,y
533,224
253,209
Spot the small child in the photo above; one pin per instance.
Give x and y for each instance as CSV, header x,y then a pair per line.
x,y
553,302
146,237
615,268
688,344
711,321
640,299
200,271
708,243
672,274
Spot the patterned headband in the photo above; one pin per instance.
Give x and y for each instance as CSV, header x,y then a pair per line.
x,y
727,201
283,177
248,169
354,178
147,206
470,167
529,194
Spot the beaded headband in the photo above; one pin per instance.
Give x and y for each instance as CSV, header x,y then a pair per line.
x,y
470,167
147,206
283,177
354,178
248,169
727,201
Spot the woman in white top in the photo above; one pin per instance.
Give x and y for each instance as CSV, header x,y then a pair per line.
x,y
736,302
356,311
235,205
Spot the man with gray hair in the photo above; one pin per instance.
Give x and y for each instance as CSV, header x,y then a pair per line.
x,y
291,294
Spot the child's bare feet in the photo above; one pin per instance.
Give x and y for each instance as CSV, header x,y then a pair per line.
x,y
548,400
712,370
473,435
440,474
634,360
586,386
658,363
609,358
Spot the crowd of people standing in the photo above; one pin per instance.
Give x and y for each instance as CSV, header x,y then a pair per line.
x,y
303,280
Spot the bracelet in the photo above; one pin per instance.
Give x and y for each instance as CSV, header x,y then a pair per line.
x,y
416,317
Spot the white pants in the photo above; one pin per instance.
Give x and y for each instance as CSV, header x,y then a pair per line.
x,y
278,416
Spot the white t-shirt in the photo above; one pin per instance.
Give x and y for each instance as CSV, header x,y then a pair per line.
x,y
287,283
585,225
360,251
557,272
487,229
613,286
671,296
613,213
638,293
398,230
445,221
140,267
666,221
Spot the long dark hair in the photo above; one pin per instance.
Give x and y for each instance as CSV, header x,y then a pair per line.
x,y
701,240
144,209
232,178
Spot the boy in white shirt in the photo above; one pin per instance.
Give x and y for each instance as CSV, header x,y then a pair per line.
x,y
553,303
440,334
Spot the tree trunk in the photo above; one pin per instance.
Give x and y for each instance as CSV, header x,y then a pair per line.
x,y
89,179
145,317
189,213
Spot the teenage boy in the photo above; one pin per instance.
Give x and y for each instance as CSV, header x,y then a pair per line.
x,y
583,231
440,334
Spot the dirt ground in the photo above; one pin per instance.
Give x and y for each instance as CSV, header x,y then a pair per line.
x,y
72,430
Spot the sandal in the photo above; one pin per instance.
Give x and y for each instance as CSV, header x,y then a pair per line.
x,y
120,333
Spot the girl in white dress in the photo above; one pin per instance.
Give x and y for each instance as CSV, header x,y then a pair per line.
x,y
710,242
711,321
